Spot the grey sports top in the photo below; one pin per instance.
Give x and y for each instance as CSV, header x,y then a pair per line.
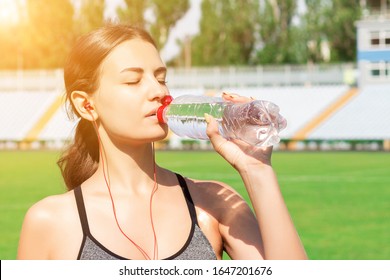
x,y
197,246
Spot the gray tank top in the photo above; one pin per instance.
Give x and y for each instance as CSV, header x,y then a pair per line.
x,y
197,246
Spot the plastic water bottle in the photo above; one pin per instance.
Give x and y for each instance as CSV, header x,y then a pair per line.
x,y
257,123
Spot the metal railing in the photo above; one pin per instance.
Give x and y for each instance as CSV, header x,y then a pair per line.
x,y
200,77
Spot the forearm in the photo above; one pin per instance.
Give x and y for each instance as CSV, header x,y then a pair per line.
x,y
280,238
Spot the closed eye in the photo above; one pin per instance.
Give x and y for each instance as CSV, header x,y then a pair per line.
x,y
163,82
131,83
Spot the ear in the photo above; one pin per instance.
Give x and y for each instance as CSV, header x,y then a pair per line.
x,y
83,105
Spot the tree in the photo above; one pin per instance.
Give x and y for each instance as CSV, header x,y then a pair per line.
x,y
10,46
91,15
281,40
48,31
165,13
341,30
133,12
332,21
378,5
314,22
227,32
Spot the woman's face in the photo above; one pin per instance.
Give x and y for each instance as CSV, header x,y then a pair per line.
x,y
132,84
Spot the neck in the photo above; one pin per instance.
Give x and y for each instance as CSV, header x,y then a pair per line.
x,y
127,167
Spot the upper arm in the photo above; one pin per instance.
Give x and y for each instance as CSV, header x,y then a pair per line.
x,y
236,225
34,242
239,228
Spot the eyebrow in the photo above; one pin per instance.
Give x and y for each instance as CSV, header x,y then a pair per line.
x,y
132,69
140,70
160,70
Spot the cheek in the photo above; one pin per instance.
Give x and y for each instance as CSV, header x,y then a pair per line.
x,y
120,113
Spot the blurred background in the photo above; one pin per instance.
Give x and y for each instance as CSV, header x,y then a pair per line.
x,y
326,63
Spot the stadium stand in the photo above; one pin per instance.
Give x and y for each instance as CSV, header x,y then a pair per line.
x,y
315,114
59,129
20,111
366,117
38,116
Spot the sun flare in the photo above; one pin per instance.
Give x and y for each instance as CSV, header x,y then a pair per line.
x,y
8,12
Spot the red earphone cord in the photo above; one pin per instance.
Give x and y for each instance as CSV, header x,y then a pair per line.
x,y
155,187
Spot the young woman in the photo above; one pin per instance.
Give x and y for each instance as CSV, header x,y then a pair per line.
x,y
120,204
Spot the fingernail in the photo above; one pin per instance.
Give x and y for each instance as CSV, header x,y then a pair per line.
x,y
207,117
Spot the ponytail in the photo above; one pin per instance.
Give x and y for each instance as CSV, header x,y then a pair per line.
x,y
81,158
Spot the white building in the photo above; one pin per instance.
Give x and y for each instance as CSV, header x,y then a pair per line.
x,y
373,46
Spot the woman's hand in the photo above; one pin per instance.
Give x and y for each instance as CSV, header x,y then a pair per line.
x,y
238,153
277,232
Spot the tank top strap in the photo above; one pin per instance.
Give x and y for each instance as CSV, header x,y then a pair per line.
x,y
187,195
81,209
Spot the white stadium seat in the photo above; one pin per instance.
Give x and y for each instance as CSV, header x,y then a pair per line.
x,y
19,111
363,117
366,117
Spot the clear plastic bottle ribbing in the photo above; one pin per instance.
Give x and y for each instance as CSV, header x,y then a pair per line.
x,y
257,123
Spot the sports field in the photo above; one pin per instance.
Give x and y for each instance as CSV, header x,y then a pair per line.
x,y
339,201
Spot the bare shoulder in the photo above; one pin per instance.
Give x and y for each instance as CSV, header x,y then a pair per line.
x,y
215,197
51,208
209,186
44,223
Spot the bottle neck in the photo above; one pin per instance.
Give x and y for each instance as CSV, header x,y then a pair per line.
x,y
161,110
161,113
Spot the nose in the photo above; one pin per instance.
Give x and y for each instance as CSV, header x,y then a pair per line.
x,y
158,90
162,97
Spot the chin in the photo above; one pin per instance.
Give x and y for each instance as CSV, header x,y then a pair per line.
x,y
160,135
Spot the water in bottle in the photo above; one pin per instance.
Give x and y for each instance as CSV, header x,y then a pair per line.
x,y
257,123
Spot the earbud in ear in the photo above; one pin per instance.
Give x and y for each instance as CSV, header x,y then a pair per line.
x,y
88,106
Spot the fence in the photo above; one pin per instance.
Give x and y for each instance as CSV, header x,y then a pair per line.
x,y
200,77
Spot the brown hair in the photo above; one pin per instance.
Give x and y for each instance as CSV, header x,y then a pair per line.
x,y
81,73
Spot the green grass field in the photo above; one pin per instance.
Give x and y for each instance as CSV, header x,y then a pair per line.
x,y
339,201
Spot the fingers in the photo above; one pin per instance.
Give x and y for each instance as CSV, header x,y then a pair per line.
x,y
213,133
212,126
235,151
236,98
